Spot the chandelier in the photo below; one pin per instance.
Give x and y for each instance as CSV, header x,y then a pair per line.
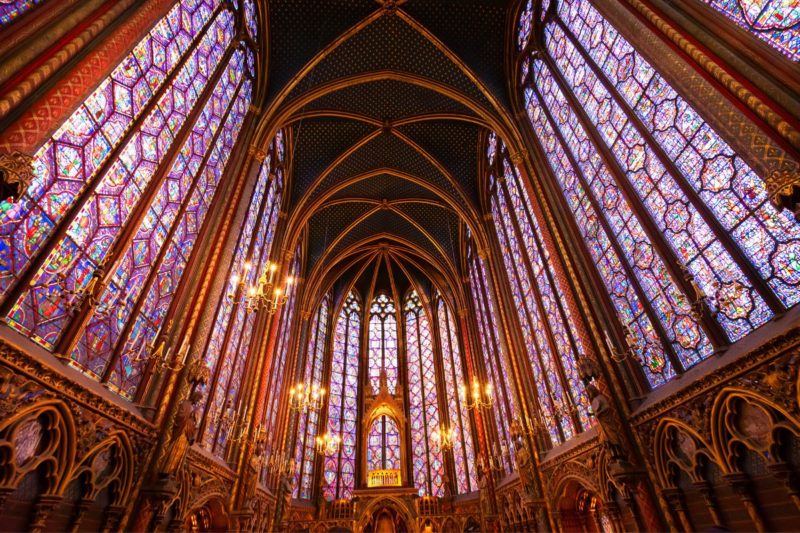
x,y
479,396
444,437
328,445
304,397
265,294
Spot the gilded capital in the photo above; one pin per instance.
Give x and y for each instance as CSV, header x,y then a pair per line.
x,y
257,153
783,187
518,157
16,173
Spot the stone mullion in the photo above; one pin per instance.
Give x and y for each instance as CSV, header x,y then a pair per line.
x,y
783,132
555,354
37,259
151,277
601,219
723,235
571,247
551,342
453,362
36,23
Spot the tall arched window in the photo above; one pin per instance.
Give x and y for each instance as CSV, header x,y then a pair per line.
x,y
423,399
228,347
120,193
277,380
307,421
382,342
494,355
339,468
548,329
383,444
463,449
777,22
680,227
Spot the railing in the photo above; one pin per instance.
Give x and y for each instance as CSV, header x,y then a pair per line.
x,y
384,478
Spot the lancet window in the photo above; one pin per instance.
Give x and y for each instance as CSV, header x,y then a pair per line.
x,y
548,328
94,252
308,421
423,399
383,444
230,343
504,411
382,342
680,228
340,467
463,449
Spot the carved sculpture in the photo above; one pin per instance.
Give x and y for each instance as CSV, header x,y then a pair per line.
x,y
16,173
610,425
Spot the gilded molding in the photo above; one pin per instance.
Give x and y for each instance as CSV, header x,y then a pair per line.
x,y
57,382
16,174
746,97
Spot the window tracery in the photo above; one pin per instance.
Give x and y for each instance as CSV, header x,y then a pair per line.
x,y
423,399
102,236
308,421
692,253
228,347
383,444
382,342
339,468
463,448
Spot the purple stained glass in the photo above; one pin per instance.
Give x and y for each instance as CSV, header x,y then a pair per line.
x,y
422,399
251,18
382,342
383,444
683,227
73,158
12,9
495,356
231,336
463,449
343,401
776,22
728,186
309,420
93,235
165,237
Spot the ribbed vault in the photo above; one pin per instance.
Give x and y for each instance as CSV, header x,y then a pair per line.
x,y
387,105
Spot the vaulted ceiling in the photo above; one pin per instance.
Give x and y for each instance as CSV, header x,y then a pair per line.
x,y
389,103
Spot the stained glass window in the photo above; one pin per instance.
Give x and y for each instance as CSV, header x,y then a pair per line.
x,y
79,152
777,22
383,444
278,370
11,9
671,215
228,347
250,18
339,468
127,181
495,357
463,450
308,421
423,399
548,327
382,342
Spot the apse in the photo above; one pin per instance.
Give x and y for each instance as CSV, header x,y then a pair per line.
x,y
399,265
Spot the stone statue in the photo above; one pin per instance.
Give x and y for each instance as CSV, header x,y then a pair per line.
x,y
611,429
183,436
483,488
525,466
